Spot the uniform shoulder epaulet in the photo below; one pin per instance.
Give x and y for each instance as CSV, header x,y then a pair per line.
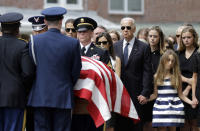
x,y
23,40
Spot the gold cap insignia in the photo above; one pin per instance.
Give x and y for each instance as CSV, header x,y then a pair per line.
x,y
82,20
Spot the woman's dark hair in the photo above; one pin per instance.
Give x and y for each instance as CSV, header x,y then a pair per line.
x,y
170,44
173,37
109,39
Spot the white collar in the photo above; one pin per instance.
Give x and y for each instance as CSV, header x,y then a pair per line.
x,y
131,42
86,47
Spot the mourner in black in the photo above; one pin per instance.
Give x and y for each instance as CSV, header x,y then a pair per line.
x,y
16,73
136,73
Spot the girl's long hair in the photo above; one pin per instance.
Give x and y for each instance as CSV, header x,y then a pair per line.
x,y
161,37
194,34
175,70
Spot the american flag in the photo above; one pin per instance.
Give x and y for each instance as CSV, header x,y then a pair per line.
x,y
104,91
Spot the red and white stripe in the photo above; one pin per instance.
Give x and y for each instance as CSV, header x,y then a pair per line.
x,y
104,91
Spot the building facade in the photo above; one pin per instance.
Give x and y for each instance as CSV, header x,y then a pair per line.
x,y
142,10
168,14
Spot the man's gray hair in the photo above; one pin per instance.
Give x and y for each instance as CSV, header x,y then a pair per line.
x,y
128,19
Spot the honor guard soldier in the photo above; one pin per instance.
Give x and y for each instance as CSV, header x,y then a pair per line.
x,y
85,27
16,72
58,62
38,25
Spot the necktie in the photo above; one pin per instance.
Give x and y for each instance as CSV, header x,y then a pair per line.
x,y
83,51
126,54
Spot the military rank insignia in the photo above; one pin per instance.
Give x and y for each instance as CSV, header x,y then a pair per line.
x,y
96,57
82,20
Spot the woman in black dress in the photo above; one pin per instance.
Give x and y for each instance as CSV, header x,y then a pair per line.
x,y
188,47
196,82
156,42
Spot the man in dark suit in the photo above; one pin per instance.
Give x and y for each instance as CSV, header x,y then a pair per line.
x,y
16,73
81,120
58,62
136,73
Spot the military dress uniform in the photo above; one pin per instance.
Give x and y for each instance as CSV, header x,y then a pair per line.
x,y
38,26
81,120
16,73
84,24
58,62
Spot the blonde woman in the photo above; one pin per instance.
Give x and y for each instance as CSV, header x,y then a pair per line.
x,y
187,48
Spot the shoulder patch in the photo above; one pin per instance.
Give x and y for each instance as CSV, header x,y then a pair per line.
x,y
23,40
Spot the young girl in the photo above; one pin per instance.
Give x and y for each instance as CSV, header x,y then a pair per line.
x,y
168,110
156,41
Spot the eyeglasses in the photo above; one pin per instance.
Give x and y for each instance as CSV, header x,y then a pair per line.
x,y
177,36
68,29
103,42
127,27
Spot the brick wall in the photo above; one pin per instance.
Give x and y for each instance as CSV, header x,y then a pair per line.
x,y
92,4
32,4
155,10
159,11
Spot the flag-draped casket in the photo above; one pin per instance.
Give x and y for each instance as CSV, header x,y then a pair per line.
x,y
104,91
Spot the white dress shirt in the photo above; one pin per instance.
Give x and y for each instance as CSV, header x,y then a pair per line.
x,y
130,46
86,47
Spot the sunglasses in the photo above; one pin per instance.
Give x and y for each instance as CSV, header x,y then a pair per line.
x,y
127,27
68,29
103,42
177,36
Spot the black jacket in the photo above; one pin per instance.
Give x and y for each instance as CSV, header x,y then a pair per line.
x,y
137,75
16,72
98,53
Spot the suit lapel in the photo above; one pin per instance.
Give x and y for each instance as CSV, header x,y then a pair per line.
x,y
121,51
90,51
133,52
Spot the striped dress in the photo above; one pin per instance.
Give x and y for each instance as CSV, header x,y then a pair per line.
x,y
168,109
